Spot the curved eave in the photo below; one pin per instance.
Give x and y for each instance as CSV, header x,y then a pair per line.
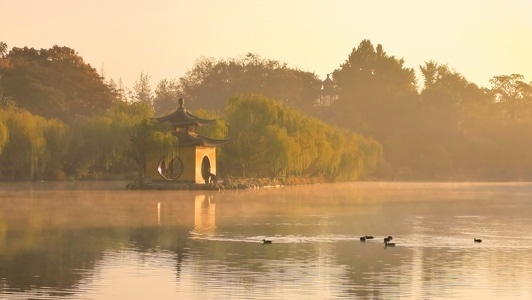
x,y
188,140
182,117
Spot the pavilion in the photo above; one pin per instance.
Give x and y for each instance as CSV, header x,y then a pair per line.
x,y
196,154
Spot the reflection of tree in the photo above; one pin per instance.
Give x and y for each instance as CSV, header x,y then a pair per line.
x,y
54,260
51,259
54,244
370,267
173,239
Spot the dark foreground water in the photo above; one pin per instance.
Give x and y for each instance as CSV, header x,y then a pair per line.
x,y
99,241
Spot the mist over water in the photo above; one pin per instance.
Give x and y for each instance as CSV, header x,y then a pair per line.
x,y
98,241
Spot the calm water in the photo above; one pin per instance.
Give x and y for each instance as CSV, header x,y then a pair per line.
x,y
99,241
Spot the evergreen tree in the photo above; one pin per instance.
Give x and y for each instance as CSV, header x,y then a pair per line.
x,y
166,96
142,90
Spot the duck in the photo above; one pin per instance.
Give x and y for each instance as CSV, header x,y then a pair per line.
x,y
388,244
366,237
477,240
388,238
264,241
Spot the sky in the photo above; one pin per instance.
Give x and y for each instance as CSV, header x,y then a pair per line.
x,y
164,38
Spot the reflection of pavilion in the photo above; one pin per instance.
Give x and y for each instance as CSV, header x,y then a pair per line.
x,y
204,214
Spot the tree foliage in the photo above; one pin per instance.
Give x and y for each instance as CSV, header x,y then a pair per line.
x,y
269,140
54,83
30,144
148,137
142,89
210,83
447,102
101,144
450,127
166,97
3,49
60,119
376,91
477,131
514,94
378,97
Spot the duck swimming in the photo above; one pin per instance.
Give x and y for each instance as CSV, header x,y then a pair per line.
x,y
264,241
388,244
366,237
477,240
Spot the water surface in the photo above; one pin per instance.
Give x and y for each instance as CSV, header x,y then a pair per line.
x,y
98,241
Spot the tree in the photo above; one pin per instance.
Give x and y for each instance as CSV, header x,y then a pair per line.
x,y
376,91
4,130
210,83
449,95
29,150
247,143
448,100
54,83
378,97
512,92
268,139
142,90
56,134
100,144
3,64
3,49
149,137
167,94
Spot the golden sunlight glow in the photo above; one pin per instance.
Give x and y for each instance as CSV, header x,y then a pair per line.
x,y
479,39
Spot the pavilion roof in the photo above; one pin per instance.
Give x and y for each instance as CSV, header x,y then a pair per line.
x,y
197,140
183,118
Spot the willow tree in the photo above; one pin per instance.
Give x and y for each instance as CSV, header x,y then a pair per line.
x,y
56,135
23,156
269,139
281,151
101,145
246,134
148,137
4,130
27,152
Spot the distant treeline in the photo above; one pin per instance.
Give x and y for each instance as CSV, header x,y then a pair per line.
x,y
60,119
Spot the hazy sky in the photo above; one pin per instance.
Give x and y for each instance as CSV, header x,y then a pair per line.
x,y
477,38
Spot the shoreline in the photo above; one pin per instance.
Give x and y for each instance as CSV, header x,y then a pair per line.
x,y
227,184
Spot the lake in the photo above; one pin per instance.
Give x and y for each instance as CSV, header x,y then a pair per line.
x,y
96,240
